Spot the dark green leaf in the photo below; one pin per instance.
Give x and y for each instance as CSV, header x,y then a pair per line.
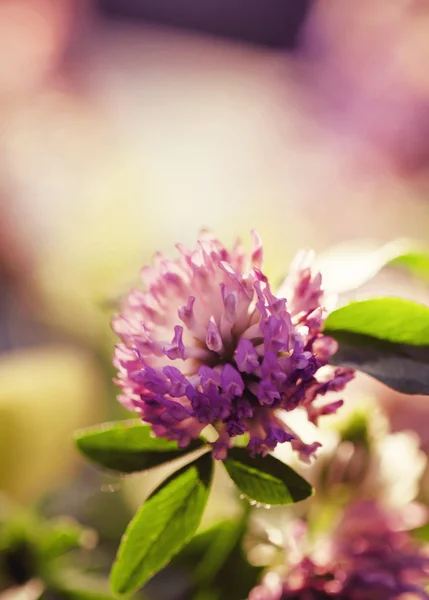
x,y
223,538
387,338
166,522
265,479
225,582
392,320
402,367
213,559
128,446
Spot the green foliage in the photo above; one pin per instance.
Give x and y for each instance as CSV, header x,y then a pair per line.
x,y
166,522
128,446
265,479
235,577
32,547
220,570
218,543
62,535
387,338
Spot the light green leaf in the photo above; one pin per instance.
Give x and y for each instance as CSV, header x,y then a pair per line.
x,y
265,479
387,338
417,263
166,522
128,446
389,319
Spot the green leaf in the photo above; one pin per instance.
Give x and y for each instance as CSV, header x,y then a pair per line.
x,y
128,446
389,319
213,559
166,522
30,544
387,338
265,479
417,263
223,537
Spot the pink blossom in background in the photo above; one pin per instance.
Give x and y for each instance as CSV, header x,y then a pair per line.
x,y
368,557
366,74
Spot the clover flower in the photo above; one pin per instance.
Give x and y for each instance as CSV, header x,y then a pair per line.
x,y
208,343
370,557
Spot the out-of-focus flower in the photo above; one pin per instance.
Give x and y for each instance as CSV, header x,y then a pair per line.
x,y
361,457
34,35
361,460
372,461
242,353
46,393
367,557
360,54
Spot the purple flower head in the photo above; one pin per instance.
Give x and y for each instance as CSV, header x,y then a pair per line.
x,y
371,558
208,343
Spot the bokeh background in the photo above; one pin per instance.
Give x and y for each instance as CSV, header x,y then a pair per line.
x,y
128,125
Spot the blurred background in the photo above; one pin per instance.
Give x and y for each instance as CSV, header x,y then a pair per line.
x,y
127,126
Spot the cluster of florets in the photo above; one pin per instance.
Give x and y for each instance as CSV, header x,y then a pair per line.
x,y
208,343
369,559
